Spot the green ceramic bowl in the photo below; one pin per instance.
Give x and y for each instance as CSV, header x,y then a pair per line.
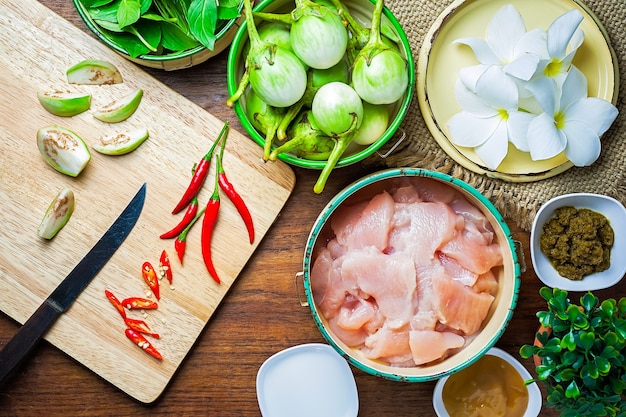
x,y
362,11
499,314
171,61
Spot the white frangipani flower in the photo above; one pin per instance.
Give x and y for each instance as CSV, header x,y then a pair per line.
x,y
525,90
571,121
508,44
490,118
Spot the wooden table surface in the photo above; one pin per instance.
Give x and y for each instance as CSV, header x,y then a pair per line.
x,y
259,317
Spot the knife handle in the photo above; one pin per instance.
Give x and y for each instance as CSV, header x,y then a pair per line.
x,y
20,345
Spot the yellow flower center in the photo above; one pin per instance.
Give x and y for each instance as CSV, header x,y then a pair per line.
x,y
559,120
553,68
504,115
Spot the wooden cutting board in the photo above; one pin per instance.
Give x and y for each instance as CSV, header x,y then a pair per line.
x,y
36,47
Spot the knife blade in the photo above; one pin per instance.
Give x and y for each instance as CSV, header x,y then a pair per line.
x,y
18,347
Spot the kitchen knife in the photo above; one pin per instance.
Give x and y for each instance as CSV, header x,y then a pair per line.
x,y
64,295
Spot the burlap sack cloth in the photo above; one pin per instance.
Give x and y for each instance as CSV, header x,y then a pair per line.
x,y
517,202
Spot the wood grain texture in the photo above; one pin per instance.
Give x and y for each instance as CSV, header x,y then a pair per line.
x,y
180,135
259,316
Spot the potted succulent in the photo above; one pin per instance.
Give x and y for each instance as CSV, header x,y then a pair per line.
x,y
580,354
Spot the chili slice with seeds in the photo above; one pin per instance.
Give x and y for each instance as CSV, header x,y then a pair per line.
x,y
139,303
164,267
140,326
149,275
116,303
143,343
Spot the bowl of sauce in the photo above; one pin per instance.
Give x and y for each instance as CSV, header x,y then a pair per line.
x,y
491,386
569,223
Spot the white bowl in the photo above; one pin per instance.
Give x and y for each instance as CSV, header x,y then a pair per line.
x,y
309,380
613,210
534,393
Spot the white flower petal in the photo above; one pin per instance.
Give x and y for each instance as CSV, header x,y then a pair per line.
x,y
546,93
497,89
583,144
574,88
529,103
523,67
469,75
469,130
596,113
503,32
481,50
533,42
518,124
493,151
544,139
471,102
560,32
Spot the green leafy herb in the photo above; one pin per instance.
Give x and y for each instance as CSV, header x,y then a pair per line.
x,y
161,27
583,354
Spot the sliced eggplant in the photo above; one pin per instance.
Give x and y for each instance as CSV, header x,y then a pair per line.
x,y
120,109
94,72
121,143
64,103
58,213
63,149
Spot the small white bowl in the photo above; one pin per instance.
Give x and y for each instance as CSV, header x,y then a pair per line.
x,y
534,393
613,210
309,380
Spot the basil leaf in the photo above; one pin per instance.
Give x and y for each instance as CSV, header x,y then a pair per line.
x,y
202,18
175,39
95,3
128,12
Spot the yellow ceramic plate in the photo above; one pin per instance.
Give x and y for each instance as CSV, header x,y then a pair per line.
x,y
440,62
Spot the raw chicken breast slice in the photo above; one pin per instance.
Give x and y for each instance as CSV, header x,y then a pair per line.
x,y
370,228
486,282
388,344
351,337
457,306
356,312
456,271
421,229
472,256
389,279
329,287
427,346
406,194
436,191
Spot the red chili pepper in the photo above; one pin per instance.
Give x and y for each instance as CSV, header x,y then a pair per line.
x,y
149,275
140,326
143,343
181,241
138,303
234,196
192,209
164,267
208,225
116,303
200,174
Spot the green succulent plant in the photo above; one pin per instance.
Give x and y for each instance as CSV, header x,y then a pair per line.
x,y
583,354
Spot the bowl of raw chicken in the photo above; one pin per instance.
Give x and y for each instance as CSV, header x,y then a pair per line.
x,y
410,274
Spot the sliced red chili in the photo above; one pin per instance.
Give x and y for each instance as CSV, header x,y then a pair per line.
x,y
138,303
200,174
141,327
192,209
143,343
234,196
165,268
150,276
208,225
116,303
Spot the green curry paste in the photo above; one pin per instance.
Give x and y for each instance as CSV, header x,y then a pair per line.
x,y
577,242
